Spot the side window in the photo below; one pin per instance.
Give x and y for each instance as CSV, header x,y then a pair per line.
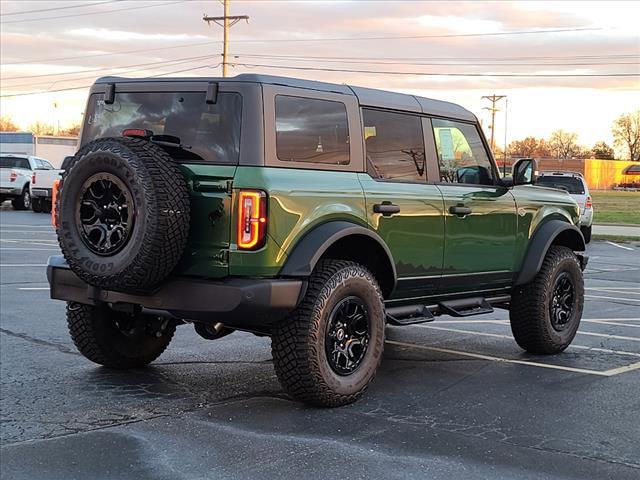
x,y
394,146
461,153
311,130
38,164
46,165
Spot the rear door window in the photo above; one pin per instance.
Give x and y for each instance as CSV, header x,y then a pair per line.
x,y
311,130
394,146
207,132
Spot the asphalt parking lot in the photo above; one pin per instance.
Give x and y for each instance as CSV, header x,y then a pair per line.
x,y
455,398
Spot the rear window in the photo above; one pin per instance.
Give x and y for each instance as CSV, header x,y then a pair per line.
x,y
207,132
14,162
570,184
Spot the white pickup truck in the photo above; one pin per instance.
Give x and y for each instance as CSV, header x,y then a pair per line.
x,y
41,186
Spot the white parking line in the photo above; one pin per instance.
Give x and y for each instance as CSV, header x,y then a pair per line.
x,y
614,298
613,323
497,359
28,231
29,249
498,335
50,243
39,226
619,246
3,265
610,290
33,288
605,373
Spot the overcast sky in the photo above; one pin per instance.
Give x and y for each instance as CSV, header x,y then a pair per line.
x,y
140,38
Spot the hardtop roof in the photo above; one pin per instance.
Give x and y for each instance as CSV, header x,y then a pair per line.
x,y
370,97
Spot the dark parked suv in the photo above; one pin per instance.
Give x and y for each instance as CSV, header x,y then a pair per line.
x,y
310,212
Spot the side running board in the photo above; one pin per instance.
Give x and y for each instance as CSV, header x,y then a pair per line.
x,y
465,307
409,315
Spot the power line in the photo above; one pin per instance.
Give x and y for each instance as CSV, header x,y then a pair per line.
x,y
80,87
466,63
442,74
93,13
110,70
24,12
198,44
417,37
123,52
105,68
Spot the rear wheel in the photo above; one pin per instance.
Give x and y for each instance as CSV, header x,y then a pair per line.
x,y
116,339
586,233
328,350
36,205
545,314
23,202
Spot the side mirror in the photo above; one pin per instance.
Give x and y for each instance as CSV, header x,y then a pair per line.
x,y
525,171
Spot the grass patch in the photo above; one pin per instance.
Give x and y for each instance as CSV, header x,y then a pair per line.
x,y
615,238
616,207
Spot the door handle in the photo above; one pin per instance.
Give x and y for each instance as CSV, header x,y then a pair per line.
x,y
386,208
459,210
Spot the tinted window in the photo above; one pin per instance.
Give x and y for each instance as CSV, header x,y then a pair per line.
x,y
46,165
570,184
311,130
14,162
461,153
394,145
206,132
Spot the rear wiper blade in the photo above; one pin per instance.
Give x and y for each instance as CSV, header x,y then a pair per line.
x,y
169,140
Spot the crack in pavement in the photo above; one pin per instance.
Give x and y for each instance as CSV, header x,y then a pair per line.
x,y
58,346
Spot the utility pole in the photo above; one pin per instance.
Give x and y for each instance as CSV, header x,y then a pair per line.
x,y
226,22
504,160
493,99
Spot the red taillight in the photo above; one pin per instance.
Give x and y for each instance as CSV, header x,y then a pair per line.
x,y
33,178
136,132
13,176
587,203
54,198
252,219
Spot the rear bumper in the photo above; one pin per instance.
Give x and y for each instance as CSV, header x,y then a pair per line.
x,y
236,302
41,192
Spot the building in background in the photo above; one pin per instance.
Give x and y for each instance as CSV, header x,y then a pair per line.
x,y
17,142
51,148
54,148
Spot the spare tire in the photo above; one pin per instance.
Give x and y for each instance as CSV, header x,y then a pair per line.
x,y
122,214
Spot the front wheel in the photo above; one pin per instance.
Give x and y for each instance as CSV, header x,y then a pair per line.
x,y
545,314
328,350
37,205
116,339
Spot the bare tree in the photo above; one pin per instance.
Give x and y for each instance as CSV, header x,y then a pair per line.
x,y
7,125
626,133
564,144
39,128
602,151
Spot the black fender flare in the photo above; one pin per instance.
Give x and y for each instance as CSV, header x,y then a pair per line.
x,y
540,242
308,251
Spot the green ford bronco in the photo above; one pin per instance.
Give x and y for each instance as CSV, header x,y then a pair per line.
x,y
309,212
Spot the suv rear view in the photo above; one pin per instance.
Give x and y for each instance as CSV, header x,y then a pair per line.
x,y
309,212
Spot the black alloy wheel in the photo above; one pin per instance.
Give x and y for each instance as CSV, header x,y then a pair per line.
x,y
562,302
347,335
105,214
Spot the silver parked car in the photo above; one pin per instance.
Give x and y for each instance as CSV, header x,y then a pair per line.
x,y
575,184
